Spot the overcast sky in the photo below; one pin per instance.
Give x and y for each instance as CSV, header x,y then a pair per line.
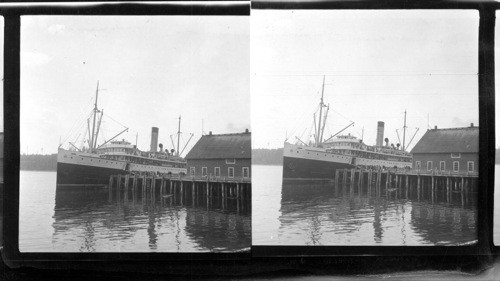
x,y
150,70
377,65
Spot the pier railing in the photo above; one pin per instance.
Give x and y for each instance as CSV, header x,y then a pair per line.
x,y
433,172
200,178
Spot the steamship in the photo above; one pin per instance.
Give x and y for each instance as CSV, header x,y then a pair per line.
x,y
92,165
320,159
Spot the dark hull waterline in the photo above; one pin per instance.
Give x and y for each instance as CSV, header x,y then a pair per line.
x,y
73,174
298,168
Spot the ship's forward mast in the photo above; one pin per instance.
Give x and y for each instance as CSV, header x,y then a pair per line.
x,y
93,129
319,130
319,135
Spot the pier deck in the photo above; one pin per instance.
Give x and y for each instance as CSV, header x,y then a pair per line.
x,y
185,187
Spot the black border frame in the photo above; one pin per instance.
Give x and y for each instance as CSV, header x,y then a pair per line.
x,y
486,103
12,23
275,260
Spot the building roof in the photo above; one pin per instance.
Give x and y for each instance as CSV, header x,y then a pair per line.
x,y
457,140
222,147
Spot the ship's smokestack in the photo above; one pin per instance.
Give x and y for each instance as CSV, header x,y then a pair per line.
x,y
154,139
380,133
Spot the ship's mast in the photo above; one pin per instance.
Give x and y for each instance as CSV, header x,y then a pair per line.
x,y
98,127
94,138
178,136
404,131
321,104
316,130
324,123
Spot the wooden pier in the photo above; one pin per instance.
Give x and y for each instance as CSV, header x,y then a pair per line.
x,y
401,183
184,189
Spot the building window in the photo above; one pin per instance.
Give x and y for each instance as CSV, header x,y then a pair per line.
x,y
429,165
203,171
442,165
246,173
217,172
470,166
417,165
456,166
455,155
231,161
230,172
191,171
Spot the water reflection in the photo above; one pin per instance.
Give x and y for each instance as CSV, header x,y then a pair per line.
x,y
102,219
319,213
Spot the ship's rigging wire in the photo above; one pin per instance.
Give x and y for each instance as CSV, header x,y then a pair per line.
x,y
76,127
301,135
81,125
82,143
302,117
103,130
342,115
80,121
183,141
115,121
309,134
328,129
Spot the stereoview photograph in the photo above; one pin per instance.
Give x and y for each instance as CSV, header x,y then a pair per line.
x,y
135,134
365,127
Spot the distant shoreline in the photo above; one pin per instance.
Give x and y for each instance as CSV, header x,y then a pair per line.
x,y
263,156
260,156
31,170
38,162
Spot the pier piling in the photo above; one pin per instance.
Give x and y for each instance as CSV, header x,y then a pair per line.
x,y
218,192
426,185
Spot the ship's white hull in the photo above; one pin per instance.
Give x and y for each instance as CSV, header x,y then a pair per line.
x,y
303,162
75,167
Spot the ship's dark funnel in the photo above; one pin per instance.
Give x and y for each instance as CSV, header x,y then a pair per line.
x,y
154,139
380,133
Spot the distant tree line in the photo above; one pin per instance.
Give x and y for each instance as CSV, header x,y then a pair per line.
x,y
38,162
262,156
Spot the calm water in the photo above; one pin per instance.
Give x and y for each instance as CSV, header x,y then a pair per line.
x,y
95,220
307,214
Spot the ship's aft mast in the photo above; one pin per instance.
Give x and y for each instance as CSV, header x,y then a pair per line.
x,y
93,139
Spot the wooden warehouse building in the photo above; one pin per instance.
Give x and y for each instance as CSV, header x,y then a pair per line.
x,y
448,150
224,156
